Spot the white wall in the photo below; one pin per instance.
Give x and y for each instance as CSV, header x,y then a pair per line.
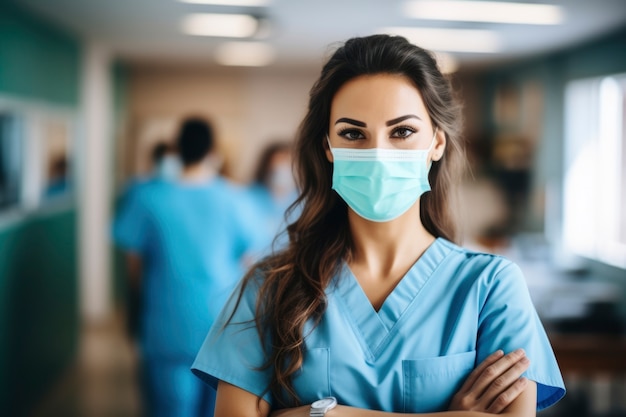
x,y
248,108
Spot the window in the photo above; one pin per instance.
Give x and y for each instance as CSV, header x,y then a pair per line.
x,y
10,160
36,154
594,189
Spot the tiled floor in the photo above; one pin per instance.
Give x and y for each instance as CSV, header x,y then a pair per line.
x,y
103,381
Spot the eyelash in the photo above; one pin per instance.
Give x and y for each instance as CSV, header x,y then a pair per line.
x,y
345,132
412,130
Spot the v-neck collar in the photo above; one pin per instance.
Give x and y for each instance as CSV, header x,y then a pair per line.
x,y
374,327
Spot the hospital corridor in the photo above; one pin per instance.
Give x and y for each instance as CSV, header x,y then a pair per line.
x,y
153,152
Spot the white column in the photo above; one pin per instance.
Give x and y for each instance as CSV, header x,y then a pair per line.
x,y
94,178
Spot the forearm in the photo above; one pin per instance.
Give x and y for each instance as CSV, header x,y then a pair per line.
x,y
522,406
344,411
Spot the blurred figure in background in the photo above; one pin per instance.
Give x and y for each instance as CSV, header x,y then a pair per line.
x,y
272,192
184,241
165,167
58,181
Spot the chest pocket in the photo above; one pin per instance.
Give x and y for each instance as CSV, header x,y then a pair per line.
x,y
312,382
430,383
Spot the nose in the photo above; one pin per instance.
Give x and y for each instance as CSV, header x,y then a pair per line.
x,y
380,140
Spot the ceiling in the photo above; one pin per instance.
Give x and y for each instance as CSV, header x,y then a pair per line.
x,y
301,31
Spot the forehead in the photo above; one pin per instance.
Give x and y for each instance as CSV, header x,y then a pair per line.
x,y
382,95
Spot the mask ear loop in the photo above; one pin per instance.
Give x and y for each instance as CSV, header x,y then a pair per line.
x,y
329,145
432,142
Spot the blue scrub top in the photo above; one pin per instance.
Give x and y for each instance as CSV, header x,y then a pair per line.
x,y
271,220
191,239
448,313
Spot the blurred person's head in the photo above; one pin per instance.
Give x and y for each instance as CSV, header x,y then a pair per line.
x,y
165,162
274,168
159,151
58,168
371,56
195,141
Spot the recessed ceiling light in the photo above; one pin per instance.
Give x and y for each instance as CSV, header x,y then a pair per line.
x,y
246,54
244,3
223,25
485,11
452,40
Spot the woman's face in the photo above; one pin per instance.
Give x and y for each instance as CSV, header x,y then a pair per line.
x,y
382,111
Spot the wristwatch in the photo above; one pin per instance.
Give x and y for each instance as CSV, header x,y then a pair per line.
x,y
320,407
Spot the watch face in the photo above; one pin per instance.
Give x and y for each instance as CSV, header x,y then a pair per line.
x,y
323,403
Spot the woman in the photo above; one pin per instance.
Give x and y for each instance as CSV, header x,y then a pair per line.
x,y
371,303
271,194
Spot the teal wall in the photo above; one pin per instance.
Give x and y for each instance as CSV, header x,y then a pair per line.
x,y
38,251
37,61
39,294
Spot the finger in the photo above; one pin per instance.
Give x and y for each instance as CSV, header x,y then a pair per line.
x,y
507,397
504,381
473,376
497,369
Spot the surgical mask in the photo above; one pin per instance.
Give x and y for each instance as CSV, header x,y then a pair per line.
x,y
281,179
380,184
169,168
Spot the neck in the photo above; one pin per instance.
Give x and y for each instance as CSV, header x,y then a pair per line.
x,y
388,247
197,172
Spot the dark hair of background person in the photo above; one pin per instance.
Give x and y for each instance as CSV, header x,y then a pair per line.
x,y
293,282
58,167
263,169
195,140
159,151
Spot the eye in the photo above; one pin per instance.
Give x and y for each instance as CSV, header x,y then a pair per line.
x,y
402,132
351,134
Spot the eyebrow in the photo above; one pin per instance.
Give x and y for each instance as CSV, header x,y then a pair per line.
x,y
401,118
351,121
387,123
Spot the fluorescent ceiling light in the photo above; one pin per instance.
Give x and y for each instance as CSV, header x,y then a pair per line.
x,y
244,3
485,11
452,40
246,54
224,25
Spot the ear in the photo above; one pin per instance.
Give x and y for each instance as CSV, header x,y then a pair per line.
x,y
436,153
329,154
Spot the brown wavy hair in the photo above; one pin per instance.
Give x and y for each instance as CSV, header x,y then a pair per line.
x,y
293,282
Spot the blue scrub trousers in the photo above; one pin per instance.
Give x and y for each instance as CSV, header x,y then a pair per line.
x,y
171,390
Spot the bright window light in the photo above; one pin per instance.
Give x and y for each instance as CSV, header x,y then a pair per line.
x,y
451,40
485,11
246,54
220,25
243,3
594,189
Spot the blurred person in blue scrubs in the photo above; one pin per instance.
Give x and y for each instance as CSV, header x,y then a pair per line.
x,y
166,166
372,309
58,177
272,192
185,241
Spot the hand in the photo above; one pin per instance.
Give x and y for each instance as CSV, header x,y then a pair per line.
x,y
494,384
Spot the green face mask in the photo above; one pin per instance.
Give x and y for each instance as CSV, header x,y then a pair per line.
x,y
380,184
